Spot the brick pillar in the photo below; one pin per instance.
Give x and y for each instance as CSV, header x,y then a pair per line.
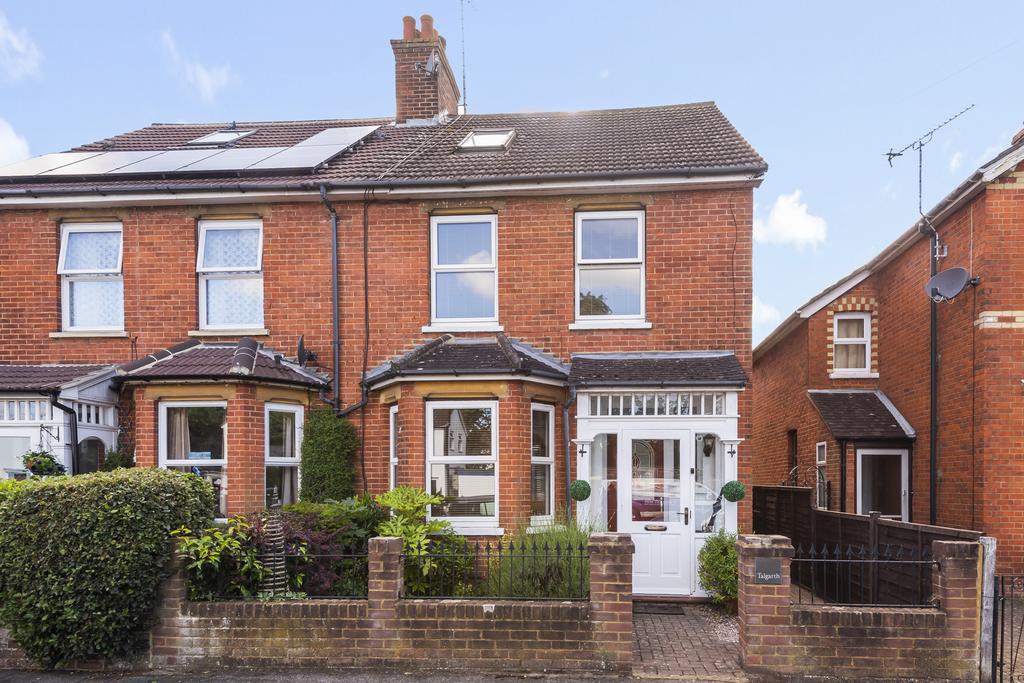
x,y
611,599
762,608
145,429
165,639
246,468
386,577
955,585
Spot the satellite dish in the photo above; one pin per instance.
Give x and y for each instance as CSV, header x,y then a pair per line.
x,y
948,284
303,354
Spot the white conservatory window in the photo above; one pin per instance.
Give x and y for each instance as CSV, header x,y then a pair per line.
x,y
193,438
229,265
92,285
657,404
462,460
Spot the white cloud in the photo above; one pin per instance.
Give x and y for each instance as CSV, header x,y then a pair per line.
x,y
13,147
605,73
789,222
206,80
765,313
19,56
956,161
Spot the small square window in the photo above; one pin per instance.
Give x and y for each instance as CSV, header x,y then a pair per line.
x,y
851,343
480,140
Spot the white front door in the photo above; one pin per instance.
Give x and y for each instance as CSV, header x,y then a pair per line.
x,y
883,482
657,508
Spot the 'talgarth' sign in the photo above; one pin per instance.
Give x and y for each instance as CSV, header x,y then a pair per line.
x,y
768,571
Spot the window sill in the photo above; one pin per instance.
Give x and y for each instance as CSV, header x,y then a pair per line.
x,y
853,375
463,327
478,530
243,332
81,334
611,325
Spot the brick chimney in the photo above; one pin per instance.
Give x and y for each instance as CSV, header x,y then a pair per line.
x,y
424,83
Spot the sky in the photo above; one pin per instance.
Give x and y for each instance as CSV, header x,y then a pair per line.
x,y
821,90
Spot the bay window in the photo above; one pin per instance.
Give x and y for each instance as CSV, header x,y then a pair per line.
x,y
193,438
542,463
92,285
282,426
464,272
462,460
229,265
610,268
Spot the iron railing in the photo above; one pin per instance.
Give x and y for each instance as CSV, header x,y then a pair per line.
x,y
1007,628
884,576
514,570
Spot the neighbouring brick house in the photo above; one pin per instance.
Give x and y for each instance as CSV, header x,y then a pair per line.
x,y
500,303
842,386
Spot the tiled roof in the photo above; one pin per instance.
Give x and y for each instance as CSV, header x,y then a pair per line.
x,y
43,377
448,355
195,360
686,139
684,368
860,414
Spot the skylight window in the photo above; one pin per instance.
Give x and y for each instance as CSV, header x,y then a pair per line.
x,y
221,137
487,139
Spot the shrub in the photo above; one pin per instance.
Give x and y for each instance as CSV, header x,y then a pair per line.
x,y
42,463
222,561
352,521
734,491
328,448
11,487
117,459
579,490
548,562
717,568
82,558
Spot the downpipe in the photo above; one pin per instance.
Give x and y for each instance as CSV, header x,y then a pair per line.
x,y
566,447
73,429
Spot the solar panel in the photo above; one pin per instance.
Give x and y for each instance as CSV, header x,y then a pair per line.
x,y
298,157
101,163
44,163
233,159
338,136
171,161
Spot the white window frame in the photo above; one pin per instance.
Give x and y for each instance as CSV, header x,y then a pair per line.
x,y
904,483
820,485
604,264
228,272
392,447
69,275
466,146
164,461
851,341
465,522
300,415
463,324
537,520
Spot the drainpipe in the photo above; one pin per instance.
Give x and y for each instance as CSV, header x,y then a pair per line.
x,y
74,427
842,475
335,287
933,384
565,445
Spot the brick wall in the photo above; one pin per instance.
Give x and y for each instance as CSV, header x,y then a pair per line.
x,y
780,638
388,631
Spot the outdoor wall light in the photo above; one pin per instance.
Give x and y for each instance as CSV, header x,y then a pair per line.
x,y
709,445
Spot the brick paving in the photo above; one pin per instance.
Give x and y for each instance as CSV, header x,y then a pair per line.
x,y
697,644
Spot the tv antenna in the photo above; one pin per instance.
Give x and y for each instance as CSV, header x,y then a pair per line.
x,y
462,40
918,146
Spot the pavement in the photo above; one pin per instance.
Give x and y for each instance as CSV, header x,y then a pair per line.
x,y
297,677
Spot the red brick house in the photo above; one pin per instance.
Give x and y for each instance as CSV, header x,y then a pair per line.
x,y
500,303
843,397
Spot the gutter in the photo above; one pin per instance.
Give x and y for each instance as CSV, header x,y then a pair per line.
x,y
55,402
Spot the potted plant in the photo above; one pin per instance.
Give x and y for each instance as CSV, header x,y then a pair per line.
x,y
42,464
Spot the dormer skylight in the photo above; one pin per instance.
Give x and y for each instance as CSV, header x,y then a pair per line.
x,y
487,140
221,137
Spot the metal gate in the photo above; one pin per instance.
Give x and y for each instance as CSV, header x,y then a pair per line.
x,y
1008,628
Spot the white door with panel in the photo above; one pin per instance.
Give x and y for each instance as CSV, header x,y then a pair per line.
x,y
657,508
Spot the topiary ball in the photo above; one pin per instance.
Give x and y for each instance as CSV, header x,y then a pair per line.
x,y
734,491
579,490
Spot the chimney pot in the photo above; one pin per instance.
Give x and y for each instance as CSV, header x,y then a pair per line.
x,y
408,28
427,28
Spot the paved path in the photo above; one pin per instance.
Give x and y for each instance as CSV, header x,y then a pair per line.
x,y
697,645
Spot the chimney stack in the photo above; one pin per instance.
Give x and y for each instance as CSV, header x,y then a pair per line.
x,y
425,86
1018,137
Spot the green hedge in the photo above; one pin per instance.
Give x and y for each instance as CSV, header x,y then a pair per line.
x,y
328,451
82,558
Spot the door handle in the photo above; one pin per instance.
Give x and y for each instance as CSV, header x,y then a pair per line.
x,y
686,516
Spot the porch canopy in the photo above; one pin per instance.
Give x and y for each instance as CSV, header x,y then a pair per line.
x,y
663,369
860,415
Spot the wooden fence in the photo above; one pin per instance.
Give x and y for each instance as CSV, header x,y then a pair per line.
x,y
787,511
